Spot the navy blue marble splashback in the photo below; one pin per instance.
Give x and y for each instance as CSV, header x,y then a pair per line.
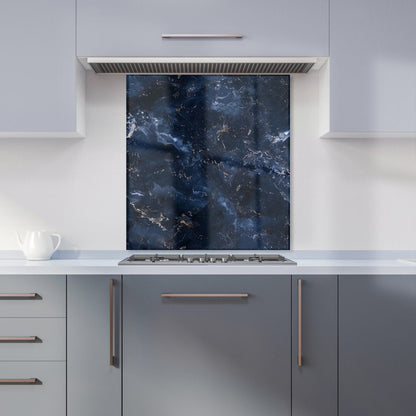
x,y
208,162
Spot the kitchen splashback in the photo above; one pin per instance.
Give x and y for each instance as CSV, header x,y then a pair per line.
x,y
208,162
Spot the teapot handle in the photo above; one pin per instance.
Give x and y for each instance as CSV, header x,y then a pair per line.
x,y
19,239
58,243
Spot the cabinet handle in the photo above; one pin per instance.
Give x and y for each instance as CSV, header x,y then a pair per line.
x,y
299,322
201,36
112,358
204,295
20,381
19,339
18,296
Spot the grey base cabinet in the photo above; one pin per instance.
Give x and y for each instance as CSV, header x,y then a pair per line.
x,y
93,383
377,345
314,381
246,345
202,355
32,345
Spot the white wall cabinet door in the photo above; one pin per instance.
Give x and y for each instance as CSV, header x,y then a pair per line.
x,y
372,68
269,27
39,69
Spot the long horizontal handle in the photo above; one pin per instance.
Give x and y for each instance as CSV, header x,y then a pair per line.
x,y
19,381
18,339
204,295
201,36
18,295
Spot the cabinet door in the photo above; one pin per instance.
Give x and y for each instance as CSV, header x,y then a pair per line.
x,y
206,356
377,344
269,27
94,385
38,74
373,66
314,382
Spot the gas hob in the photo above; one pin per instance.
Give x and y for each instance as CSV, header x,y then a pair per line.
x,y
144,259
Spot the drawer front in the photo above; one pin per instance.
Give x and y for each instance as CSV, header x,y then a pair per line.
x,y
269,27
44,398
32,296
32,339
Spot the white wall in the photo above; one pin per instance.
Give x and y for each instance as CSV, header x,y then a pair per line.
x,y
346,194
74,187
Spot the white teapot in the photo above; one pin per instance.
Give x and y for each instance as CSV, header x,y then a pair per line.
x,y
38,245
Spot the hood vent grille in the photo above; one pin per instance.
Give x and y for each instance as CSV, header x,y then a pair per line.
x,y
198,67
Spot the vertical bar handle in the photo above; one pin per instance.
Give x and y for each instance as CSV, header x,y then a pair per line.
x,y
112,360
299,322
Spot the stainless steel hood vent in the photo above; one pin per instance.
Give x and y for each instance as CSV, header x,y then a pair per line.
x,y
201,65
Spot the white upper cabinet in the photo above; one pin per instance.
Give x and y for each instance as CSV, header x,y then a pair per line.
x,y
269,27
372,68
39,70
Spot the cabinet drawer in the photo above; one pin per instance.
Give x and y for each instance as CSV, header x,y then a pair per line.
x,y
269,27
45,397
32,296
32,339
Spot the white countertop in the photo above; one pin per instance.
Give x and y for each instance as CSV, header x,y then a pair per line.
x,y
100,266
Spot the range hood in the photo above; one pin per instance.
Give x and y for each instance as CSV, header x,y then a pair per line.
x,y
203,65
